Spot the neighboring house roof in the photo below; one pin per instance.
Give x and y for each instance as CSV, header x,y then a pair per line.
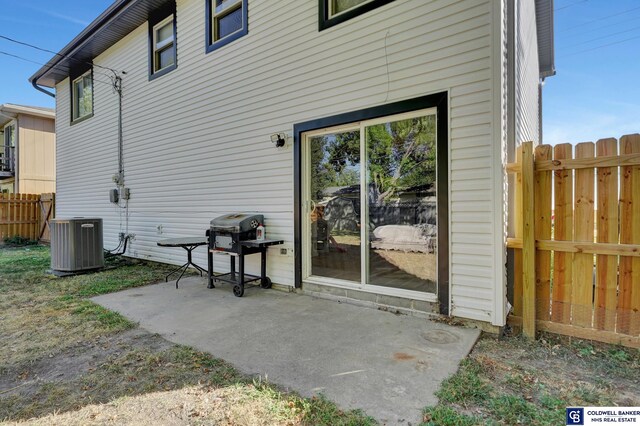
x,y
124,16
544,26
9,111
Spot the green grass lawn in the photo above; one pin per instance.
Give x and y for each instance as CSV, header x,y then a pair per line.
x,y
63,356
62,352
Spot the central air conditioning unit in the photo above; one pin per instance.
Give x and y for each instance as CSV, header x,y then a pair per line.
x,y
76,245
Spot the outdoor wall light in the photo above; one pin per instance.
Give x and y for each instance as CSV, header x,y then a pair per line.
x,y
278,139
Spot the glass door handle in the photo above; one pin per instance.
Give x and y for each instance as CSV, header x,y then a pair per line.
x,y
312,205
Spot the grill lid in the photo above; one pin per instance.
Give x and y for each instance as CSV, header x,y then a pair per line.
x,y
236,222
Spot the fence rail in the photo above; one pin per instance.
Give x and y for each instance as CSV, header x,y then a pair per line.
x,y
26,215
577,239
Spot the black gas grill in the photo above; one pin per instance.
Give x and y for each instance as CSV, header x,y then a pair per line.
x,y
228,231
234,234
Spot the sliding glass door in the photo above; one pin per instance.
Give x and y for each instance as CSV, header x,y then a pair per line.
x,y
334,204
371,203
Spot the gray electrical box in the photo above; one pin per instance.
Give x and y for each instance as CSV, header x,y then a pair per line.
x,y
113,195
76,244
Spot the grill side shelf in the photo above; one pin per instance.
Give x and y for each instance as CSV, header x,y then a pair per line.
x,y
261,243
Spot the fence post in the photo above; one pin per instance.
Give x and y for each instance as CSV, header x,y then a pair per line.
x,y
543,211
517,222
528,243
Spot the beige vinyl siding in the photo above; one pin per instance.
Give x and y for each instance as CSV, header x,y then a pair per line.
x,y
527,73
36,155
197,139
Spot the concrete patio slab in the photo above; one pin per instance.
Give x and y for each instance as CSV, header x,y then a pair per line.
x,y
385,364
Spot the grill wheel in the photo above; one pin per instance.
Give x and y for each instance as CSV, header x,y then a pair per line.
x,y
238,290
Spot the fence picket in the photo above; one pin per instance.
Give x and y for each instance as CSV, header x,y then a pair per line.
x,y
628,315
562,262
22,214
33,217
543,209
607,227
582,287
12,214
36,217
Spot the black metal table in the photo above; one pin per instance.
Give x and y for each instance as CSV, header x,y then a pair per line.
x,y
189,244
240,278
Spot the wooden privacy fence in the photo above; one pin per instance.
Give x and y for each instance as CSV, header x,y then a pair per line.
x,y
26,215
577,240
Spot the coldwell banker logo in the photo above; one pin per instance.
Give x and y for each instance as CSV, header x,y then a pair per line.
x,y
575,416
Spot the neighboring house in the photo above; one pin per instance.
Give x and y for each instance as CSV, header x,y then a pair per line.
x,y
396,94
27,150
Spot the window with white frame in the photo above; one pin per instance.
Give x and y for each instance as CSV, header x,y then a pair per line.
x,y
82,96
226,21
164,45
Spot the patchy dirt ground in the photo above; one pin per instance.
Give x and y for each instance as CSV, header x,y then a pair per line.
x,y
66,360
71,365
194,405
138,378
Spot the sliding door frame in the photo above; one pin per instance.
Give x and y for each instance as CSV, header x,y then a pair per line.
x,y
437,101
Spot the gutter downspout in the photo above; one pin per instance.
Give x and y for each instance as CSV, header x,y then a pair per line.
x,y
40,89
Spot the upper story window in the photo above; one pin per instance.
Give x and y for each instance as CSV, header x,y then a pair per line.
x,y
333,12
82,97
163,54
164,45
226,21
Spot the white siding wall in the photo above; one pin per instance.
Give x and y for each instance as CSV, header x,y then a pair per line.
x,y
527,73
197,140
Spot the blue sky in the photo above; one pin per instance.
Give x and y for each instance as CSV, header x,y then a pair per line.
x,y
595,94
45,23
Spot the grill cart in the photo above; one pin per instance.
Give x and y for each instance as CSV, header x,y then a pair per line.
x,y
235,235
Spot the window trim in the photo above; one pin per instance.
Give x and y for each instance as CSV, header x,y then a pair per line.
x,y
210,44
155,20
6,145
73,79
10,125
326,21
